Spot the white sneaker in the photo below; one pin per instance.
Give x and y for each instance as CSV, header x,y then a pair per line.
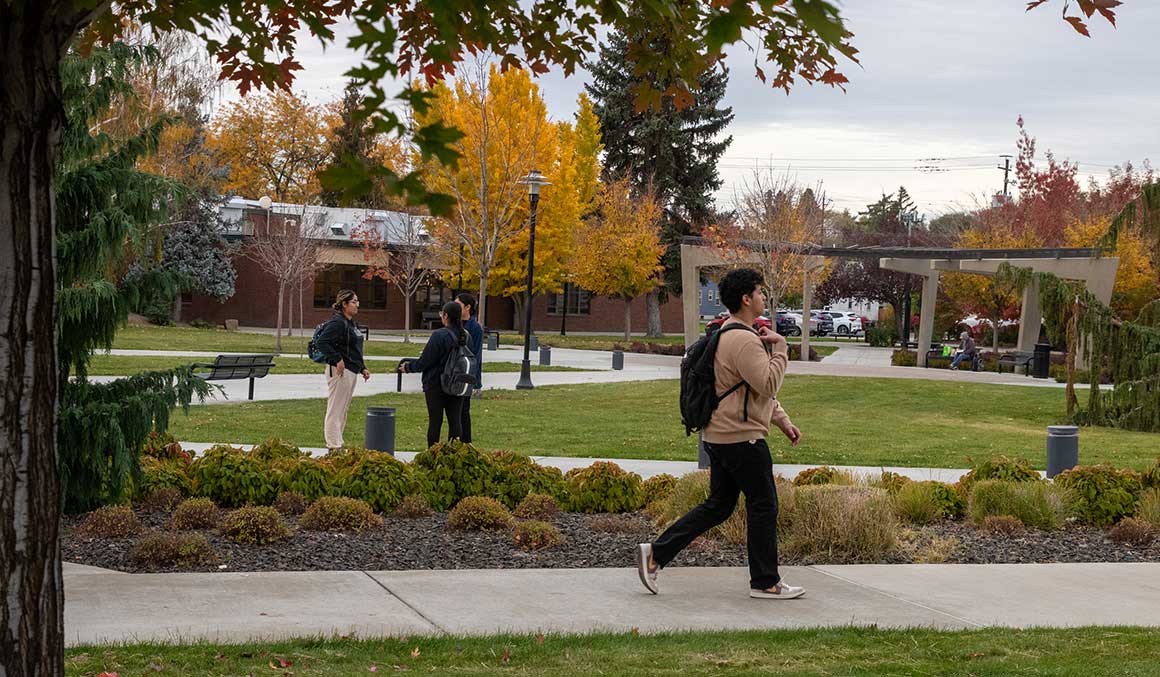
x,y
649,578
779,591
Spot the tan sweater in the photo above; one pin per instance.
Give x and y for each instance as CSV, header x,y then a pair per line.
x,y
741,355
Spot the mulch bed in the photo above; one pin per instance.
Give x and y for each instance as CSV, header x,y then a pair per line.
x,y
426,543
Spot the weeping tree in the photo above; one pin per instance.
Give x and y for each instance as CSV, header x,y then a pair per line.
x,y
106,210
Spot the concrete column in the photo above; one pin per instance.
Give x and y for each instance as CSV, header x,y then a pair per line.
x,y
926,318
691,294
807,299
1030,317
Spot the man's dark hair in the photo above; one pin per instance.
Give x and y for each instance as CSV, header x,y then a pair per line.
x,y
469,301
738,283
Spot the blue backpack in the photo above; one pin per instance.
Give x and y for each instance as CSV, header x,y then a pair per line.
x,y
312,349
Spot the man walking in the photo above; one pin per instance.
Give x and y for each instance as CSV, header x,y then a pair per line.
x,y
734,439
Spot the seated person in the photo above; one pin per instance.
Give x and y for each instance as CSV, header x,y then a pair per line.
x,y
967,350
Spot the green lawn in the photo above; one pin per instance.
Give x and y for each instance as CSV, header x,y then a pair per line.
x,y
125,365
844,421
220,340
868,651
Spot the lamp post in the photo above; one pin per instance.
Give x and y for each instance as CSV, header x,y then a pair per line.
x,y
533,180
265,202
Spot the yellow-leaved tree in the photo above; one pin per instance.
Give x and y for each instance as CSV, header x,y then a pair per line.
x,y
506,134
619,249
1136,280
588,145
273,143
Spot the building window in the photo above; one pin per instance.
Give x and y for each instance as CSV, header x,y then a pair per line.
x,y
433,297
372,294
579,302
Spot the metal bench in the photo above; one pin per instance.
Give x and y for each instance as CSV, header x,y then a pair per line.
x,y
429,319
1015,359
366,331
231,367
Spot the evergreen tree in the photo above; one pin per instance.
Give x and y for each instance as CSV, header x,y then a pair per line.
x,y
352,143
106,207
674,149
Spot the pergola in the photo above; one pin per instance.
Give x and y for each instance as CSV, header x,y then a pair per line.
x,y
1098,273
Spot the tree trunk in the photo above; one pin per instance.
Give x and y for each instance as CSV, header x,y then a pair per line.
x,y
407,318
31,593
627,319
290,311
301,311
995,336
652,302
483,300
278,330
518,303
177,308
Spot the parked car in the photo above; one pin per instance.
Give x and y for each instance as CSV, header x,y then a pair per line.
x,y
785,325
845,323
820,325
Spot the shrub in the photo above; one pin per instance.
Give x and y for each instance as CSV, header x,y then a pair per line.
x,y
342,461
413,506
515,476
162,500
612,524
200,323
165,447
822,475
1148,507
111,521
937,551
290,503
657,487
1132,531
950,502
1032,503
275,449
693,488
231,478
479,513
309,477
158,474
536,535
904,358
916,503
842,524
160,550
195,513
379,479
890,481
339,513
881,337
1150,478
537,506
255,525
1099,494
453,470
603,487
1005,525
999,468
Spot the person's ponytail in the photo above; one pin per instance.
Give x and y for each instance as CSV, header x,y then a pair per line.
x,y
454,313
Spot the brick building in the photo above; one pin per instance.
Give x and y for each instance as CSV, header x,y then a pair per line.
x,y
381,304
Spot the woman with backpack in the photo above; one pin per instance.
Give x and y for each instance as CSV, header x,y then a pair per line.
x,y
441,373
340,346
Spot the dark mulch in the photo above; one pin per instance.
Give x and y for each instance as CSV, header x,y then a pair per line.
x,y
426,543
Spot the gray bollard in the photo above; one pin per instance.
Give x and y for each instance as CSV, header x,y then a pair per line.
x,y
618,359
1062,448
380,432
702,455
535,342
493,341
545,356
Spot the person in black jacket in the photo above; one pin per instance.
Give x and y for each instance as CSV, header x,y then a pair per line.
x,y
475,342
439,348
341,342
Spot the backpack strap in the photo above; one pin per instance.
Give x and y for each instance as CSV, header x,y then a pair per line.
x,y
745,406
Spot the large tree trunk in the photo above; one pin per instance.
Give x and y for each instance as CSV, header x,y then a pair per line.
x,y
31,593
177,308
407,318
652,302
628,319
518,304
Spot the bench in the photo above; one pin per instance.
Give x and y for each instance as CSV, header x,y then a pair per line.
x,y
230,367
366,331
430,319
1015,359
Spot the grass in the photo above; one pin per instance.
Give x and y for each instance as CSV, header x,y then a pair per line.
x,y
220,340
844,421
844,651
125,365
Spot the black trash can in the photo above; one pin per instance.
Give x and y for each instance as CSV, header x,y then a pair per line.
x,y
1062,448
493,340
618,359
380,432
545,356
535,342
1041,361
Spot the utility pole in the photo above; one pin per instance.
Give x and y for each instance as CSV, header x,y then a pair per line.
x,y
1006,167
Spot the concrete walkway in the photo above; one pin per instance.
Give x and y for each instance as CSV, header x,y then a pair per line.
x,y
108,607
647,468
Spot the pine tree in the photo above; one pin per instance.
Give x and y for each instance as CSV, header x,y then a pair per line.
x,y
351,141
676,150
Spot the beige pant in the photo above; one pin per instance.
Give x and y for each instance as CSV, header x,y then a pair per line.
x,y
340,390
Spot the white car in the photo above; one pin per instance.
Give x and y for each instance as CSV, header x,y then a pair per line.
x,y
846,323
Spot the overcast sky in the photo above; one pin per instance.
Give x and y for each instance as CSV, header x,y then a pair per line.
x,y
937,80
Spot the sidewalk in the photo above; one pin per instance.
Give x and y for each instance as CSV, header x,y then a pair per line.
x,y
107,607
647,468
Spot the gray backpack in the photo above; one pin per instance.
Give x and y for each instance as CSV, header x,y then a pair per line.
x,y
458,377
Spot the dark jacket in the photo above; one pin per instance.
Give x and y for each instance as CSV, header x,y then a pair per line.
x,y
439,347
341,340
968,346
475,342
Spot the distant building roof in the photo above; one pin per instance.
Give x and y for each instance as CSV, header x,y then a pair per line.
x,y
334,223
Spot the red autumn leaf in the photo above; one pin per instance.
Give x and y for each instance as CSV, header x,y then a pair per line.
x,y
1034,3
507,655
1078,24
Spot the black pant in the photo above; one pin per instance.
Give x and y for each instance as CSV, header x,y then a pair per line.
x,y
733,468
465,425
439,402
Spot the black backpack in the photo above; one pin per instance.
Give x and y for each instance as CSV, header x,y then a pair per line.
x,y
458,377
699,398
312,350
